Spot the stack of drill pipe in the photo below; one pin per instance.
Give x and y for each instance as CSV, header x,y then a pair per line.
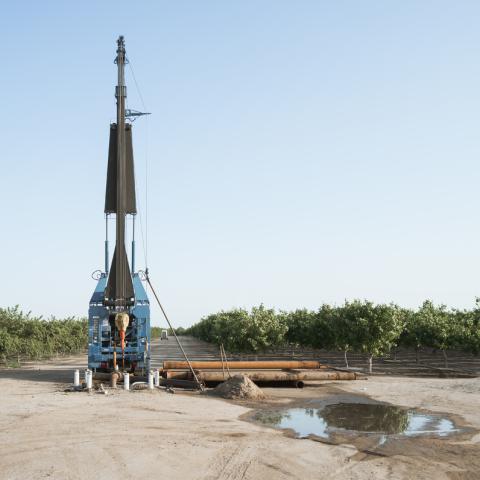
x,y
262,375
244,365
259,371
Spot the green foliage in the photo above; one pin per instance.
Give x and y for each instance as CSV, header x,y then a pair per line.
x,y
300,327
469,327
356,326
443,329
156,332
437,326
242,331
373,329
179,331
413,335
336,323
33,337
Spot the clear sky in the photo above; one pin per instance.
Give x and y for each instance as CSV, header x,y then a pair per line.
x,y
298,152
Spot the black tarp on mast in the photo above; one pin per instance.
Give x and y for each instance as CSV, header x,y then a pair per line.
x,y
120,191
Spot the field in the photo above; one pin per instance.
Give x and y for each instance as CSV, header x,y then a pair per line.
x,y
48,433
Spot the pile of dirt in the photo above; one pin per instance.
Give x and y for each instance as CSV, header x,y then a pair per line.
x,y
239,387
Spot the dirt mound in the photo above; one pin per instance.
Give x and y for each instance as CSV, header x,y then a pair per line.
x,y
238,387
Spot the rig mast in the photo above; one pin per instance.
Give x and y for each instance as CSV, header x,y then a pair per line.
x,y
120,193
119,312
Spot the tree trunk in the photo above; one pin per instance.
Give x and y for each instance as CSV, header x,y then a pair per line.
x,y
346,359
394,354
370,363
417,354
445,358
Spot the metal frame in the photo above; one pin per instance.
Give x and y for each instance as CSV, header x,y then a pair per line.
x,y
119,289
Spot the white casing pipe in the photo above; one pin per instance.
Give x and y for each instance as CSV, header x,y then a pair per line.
x,y
89,379
76,378
150,380
157,378
126,381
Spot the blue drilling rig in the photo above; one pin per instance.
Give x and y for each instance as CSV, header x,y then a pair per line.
x,y
119,310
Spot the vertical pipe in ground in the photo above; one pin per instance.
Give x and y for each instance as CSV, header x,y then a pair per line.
x,y
76,378
89,379
126,381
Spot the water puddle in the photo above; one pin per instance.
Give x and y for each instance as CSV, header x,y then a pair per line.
x,y
358,418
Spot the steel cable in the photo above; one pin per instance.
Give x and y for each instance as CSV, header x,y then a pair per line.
x,y
173,331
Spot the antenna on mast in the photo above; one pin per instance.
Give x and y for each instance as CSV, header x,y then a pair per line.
x,y
132,115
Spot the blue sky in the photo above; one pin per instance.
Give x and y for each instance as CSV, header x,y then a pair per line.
x,y
297,152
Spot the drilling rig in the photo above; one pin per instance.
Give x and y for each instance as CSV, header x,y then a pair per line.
x,y
119,309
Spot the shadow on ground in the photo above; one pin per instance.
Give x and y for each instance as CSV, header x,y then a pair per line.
x,y
36,375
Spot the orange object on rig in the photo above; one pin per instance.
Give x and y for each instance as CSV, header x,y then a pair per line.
x,y
121,322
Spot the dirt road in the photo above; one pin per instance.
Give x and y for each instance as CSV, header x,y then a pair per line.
x,y
47,433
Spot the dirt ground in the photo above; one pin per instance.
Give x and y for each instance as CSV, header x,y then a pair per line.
x,y
48,433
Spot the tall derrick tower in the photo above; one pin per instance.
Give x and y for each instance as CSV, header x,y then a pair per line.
x,y
119,311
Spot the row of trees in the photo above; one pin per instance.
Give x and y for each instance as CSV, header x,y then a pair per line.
x,y
156,332
34,337
358,326
242,331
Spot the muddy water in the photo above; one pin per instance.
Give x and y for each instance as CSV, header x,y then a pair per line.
x,y
424,440
358,418
373,429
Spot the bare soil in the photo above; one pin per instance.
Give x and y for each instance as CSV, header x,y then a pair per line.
x,y
48,433
238,387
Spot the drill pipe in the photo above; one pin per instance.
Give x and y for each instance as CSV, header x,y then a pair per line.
x,y
266,376
244,365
